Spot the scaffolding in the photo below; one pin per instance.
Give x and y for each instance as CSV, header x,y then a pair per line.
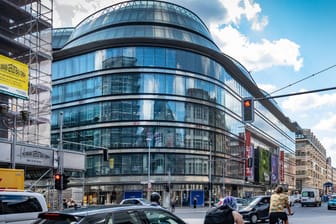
x,y
26,36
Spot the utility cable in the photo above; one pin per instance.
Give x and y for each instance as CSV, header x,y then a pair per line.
x,y
310,76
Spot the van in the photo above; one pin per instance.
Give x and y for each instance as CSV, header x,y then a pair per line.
x,y
310,196
21,207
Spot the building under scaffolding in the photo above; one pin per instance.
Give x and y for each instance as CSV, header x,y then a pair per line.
x,y
25,36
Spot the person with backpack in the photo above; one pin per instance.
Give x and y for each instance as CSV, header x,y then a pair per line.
x,y
225,214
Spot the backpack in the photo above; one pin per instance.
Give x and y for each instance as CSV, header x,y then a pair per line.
x,y
220,215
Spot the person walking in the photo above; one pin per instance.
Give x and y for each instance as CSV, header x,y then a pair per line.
x,y
227,213
195,202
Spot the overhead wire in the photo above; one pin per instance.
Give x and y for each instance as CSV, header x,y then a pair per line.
x,y
303,79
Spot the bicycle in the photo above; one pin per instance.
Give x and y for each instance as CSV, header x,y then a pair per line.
x,y
280,221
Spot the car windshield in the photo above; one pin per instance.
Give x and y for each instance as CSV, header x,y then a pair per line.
x,y
242,201
145,201
252,201
333,197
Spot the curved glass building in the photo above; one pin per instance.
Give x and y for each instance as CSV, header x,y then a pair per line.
x,y
149,97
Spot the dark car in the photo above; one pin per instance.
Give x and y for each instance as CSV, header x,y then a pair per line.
x,y
117,214
256,209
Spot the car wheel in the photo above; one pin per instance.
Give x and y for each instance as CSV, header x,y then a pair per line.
x,y
254,218
328,208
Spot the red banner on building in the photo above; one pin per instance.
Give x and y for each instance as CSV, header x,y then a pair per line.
x,y
282,166
248,154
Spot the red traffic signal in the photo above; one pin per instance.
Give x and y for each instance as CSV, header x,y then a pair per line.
x,y
248,110
58,181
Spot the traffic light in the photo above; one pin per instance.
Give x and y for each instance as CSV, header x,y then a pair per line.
x,y
58,181
167,187
248,109
105,155
65,181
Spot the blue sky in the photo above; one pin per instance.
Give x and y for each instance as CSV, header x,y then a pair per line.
x,y
279,41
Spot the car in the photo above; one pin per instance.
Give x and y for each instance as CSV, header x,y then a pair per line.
x,y
332,202
112,214
256,209
241,202
295,198
21,206
135,201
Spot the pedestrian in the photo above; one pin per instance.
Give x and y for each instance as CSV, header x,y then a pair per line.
x,y
155,199
172,205
195,202
65,203
226,213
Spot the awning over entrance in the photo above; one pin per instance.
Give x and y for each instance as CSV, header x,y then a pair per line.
x,y
327,184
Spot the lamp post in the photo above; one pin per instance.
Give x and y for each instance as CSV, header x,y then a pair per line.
x,y
210,174
149,167
14,141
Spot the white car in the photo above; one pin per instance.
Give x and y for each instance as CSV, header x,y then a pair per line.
x,y
21,207
135,201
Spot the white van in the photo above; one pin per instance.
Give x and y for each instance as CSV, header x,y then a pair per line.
x,y
310,196
21,207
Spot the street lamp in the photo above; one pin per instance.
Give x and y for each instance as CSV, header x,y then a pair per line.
x,y
149,167
210,174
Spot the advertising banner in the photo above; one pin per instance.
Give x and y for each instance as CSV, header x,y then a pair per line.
x,y
282,166
274,171
249,153
264,165
14,77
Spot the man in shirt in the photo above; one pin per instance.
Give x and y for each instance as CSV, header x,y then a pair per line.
x,y
279,201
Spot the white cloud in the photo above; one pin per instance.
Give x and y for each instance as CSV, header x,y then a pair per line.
x,y
327,123
307,102
76,10
258,55
236,9
267,87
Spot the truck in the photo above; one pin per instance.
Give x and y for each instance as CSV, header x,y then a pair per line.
x,y
310,197
11,179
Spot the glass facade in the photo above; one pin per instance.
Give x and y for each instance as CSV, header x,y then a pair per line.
x,y
181,104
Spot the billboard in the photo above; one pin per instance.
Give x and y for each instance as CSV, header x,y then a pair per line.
x,y
14,77
263,170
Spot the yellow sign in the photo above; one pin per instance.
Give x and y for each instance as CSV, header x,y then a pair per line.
x,y
11,179
14,77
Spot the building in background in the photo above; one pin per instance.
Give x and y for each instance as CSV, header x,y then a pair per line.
x,y
311,161
150,98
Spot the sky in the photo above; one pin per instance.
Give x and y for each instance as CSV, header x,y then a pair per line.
x,y
287,45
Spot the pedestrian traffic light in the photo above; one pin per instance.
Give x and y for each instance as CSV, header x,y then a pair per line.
x,y
248,109
65,182
58,181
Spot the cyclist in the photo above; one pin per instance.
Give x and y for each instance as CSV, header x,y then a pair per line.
x,y
279,201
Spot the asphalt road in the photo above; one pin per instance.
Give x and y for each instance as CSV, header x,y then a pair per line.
x,y
302,215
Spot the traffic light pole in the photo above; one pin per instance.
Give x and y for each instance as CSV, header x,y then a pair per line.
x,y
60,155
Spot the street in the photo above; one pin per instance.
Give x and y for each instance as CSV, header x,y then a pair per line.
x,y
306,215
